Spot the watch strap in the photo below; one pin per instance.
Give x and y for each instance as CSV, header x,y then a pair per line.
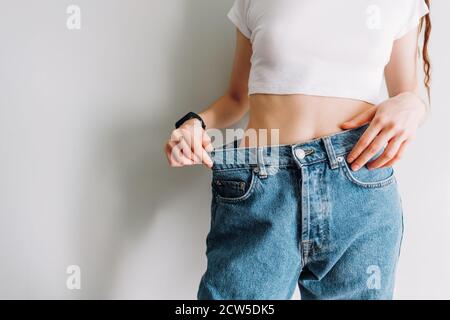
x,y
189,116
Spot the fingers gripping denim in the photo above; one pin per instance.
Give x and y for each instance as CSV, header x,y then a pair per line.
x,y
298,215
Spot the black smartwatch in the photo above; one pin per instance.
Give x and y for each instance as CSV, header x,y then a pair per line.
x,y
189,116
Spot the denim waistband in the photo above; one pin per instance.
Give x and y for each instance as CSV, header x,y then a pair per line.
x,y
327,148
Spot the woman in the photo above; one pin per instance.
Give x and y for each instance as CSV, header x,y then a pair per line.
x,y
319,205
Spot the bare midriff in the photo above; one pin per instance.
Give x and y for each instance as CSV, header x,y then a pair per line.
x,y
291,119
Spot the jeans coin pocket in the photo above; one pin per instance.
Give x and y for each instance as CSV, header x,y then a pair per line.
x,y
233,185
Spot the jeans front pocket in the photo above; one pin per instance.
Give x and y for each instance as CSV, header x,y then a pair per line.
x,y
375,178
233,185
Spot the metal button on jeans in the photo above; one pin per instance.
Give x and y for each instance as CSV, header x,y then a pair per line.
x,y
300,154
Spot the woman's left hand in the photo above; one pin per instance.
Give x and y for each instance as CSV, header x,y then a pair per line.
x,y
393,123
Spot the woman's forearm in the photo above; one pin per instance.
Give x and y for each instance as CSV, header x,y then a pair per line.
x,y
225,112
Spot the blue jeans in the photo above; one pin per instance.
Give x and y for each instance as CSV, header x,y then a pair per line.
x,y
297,214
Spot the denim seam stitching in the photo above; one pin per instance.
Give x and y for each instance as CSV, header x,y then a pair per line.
x,y
248,167
290,165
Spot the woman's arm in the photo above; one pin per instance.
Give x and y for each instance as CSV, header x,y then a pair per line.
x,y
394,122
188,145
401,72
233,105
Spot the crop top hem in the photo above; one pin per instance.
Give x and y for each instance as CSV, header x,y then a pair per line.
x,y
291,90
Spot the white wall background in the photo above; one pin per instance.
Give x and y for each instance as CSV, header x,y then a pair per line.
x,y
83,180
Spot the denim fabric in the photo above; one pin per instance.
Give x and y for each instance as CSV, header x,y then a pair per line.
x,y
297,214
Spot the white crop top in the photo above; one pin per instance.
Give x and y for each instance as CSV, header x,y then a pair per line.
x,y
334,48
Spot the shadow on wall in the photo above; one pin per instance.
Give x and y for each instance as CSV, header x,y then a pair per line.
x,y
129,182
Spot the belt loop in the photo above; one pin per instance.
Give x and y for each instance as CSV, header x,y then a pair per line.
x,y
330,153
262,172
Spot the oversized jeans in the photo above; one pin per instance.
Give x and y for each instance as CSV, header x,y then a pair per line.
x,y
297,214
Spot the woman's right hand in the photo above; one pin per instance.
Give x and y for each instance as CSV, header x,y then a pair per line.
x,y
189,145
